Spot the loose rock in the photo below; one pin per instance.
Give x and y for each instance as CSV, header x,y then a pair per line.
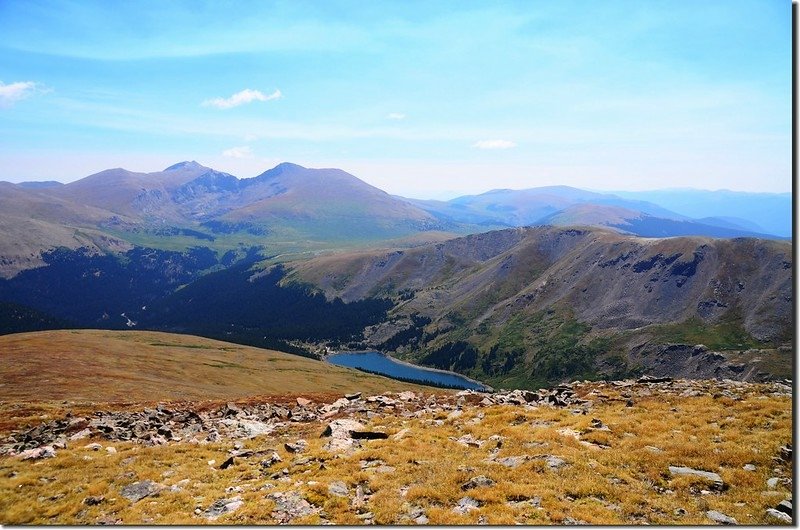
x,y
466,504
719,517
477,482
714,478
223,506
139,490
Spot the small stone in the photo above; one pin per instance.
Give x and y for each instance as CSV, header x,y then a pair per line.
x,y
111,450
749,467
779,516
352,397
223,506
466,504
85,433
93,501
273,459
338,488
227,463
455,414
303,402
139,490
785,506
477,482
290,505
298,447
773,482
719,517
407,396
93,446
714,478
39,452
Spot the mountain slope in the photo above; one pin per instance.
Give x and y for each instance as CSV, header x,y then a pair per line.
x,y
525,300
288,209
150,366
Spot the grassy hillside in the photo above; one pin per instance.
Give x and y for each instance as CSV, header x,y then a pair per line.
x,y
129,366
526,307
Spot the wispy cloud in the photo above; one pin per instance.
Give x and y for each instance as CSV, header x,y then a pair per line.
x,y
494,144
240,98
396,116
242,151
13,92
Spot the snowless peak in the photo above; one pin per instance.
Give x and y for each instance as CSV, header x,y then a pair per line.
x,y
287,166
184,165
280,169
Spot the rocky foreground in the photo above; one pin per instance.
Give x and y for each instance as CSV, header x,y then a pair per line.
x,y
653,450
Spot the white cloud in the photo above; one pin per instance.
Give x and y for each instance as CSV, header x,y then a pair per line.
x,y
396,116
494,144
242,151
13,92
240,98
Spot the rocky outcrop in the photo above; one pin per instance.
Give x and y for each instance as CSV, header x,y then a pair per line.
x,y
171,424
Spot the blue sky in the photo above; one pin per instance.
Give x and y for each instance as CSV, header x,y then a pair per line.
x,y
426,99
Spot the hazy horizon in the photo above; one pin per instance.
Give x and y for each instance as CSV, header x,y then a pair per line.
x,y
441,195
418,99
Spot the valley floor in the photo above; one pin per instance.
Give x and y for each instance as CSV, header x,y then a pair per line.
x,y
625,452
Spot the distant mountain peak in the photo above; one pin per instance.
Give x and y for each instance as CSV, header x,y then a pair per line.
x,y
184,165
277,171
287,166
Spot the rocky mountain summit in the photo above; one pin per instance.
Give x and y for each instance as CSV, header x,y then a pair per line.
x,y
647,450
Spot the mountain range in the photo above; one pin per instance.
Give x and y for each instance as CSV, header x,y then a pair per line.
x,y
293,209
518,288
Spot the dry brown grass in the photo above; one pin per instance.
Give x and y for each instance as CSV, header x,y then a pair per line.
x,y
626,483
45,373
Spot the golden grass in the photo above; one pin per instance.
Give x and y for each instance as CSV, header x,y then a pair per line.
x,y
626,483
45,373
108,366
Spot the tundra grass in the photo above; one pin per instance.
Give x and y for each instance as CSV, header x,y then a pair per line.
x,y
625,482
95,366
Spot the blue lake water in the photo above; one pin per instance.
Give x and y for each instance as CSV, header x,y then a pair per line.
x,y
385,365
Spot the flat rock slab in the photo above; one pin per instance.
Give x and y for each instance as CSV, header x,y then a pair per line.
x,y
778,516
139,490
714,478
290,505
342,428
719,517
223,506
511,461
